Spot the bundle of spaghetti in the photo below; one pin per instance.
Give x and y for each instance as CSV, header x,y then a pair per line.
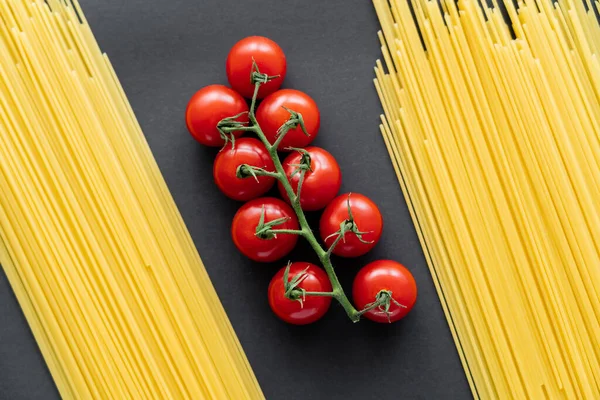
x,y
90,237
494,131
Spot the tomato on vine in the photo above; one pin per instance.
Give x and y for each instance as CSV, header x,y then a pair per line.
x,y
388,282
274,112
269,59
248,151
266,229
364,222
306,309
207,107
322,181
255,229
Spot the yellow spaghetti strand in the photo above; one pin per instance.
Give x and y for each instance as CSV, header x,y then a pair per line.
x,y
494,133
90,238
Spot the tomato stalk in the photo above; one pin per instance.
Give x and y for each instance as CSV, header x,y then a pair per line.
x,y
245,171
305,293
269,230
324,256
305,231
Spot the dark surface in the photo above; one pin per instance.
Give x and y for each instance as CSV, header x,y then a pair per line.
x,y
163,51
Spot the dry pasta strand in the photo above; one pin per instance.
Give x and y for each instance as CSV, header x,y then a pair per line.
x,y
90,238
494,133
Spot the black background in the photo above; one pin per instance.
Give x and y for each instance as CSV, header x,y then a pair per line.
x,y
163,51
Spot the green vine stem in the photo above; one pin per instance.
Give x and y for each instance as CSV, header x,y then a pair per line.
x,y
269,230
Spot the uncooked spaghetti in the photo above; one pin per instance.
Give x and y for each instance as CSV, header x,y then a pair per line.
x,y
494,131
90,238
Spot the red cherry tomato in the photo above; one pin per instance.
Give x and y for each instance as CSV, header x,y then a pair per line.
x,y
312,307
320,185
207,107
245,151
385,275
271,115
367,218
270,60
245,221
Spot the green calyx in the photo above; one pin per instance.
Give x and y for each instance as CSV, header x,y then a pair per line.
x,y
348,225
264,230
228,126
245,171
257,77
305,163
383,302
295,120
291,287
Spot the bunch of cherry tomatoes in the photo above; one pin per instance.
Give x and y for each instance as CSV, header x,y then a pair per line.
x,y
321,181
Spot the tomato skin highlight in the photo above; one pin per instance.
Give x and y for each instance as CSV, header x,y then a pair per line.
x,y
385,275
249,151
320,185
270,60
366,216
314,307
207,107
271,115
245,221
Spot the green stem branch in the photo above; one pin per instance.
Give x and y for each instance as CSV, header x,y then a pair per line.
x,y
287,231
246,170
338,239
231,129
299,293
324,256
253,104
370,307
280,137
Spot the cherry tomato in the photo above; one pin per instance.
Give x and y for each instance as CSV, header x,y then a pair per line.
x,y
245,151
320,185
207,107
271,115
312,307
245,221
385,275
270,60
367,218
